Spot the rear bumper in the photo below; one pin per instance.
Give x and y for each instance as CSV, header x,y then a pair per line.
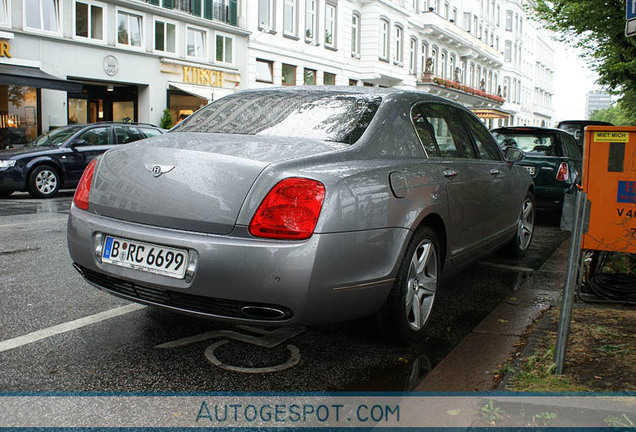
x,y
327,278
551,197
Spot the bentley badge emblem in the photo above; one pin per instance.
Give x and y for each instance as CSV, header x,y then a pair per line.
x,y
157,170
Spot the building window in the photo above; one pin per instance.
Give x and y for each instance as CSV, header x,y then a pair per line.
x,y
129,29
4,12
355,34
424,54
310,20
467,21
353,83
266,15
165,37
384,39
433,60
413,56
329,79
195,43
444,65
289,18
454,16
398,44
309,76
264,71
498,19
509,20
42,15
89,20
452,75
330,26
289,75
224,49
508,51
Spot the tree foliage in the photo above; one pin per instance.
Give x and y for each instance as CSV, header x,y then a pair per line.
x,y
615,114
597,27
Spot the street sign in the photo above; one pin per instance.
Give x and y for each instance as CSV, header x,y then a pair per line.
x,y
630,16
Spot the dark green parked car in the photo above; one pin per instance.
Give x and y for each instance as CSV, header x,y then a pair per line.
x,y
553,159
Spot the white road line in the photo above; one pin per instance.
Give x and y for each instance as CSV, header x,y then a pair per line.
x,y
34,222
68,326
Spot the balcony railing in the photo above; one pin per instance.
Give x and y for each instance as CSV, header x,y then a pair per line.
x,y
224,11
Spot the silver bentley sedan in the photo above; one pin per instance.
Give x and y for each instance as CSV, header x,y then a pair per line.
x,y
300,206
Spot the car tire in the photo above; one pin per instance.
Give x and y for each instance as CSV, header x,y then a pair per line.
x,y
4,194
44,182
411,299
520,243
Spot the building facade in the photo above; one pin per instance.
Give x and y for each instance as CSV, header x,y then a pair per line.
x,y
67,61
596,100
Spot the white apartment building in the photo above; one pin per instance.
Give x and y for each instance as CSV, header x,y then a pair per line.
x,y
484,54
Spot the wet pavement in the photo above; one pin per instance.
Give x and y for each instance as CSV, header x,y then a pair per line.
x,y
127,352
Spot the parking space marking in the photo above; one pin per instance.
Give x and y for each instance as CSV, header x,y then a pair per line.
x,y
34,222
68,326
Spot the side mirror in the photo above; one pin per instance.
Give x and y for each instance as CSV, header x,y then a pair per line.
x,y
78,143
513,155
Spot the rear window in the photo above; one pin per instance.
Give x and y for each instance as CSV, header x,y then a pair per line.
x,y
531,144
325,116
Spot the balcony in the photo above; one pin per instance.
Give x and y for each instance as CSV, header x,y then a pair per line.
x,y
224,11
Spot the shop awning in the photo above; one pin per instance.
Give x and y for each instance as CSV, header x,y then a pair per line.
x,y
194,90
490,113
34,77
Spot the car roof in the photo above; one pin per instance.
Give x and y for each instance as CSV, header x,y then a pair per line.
x,y
585,122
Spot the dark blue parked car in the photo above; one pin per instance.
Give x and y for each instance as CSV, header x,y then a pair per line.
x,y
56,159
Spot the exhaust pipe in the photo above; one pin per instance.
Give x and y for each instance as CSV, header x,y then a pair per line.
x,y
264,312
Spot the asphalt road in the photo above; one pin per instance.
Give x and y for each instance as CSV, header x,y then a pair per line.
x,y
57,333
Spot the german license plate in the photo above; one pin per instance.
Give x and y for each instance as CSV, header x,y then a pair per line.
x,y
530,169
147,257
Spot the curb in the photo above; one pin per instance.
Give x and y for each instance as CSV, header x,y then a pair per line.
x,y
471,365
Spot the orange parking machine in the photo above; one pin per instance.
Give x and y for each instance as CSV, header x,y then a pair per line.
x,y
609,179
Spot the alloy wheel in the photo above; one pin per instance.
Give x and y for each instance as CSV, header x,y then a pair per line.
x,y
46,182
525,227
421,285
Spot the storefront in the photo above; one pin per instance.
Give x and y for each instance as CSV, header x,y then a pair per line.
x,y
103,102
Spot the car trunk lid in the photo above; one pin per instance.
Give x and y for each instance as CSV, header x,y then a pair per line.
x,y
191,181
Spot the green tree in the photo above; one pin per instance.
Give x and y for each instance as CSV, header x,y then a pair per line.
x,y
598,29
166,121
614,114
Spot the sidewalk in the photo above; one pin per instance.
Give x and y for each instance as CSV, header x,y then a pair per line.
x,y
472,364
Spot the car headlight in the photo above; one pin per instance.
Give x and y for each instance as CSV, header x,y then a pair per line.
x,y
7,163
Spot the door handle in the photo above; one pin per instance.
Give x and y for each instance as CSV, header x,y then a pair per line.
x,y
450,173
494,171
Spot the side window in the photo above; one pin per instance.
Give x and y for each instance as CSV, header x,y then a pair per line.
x,y
451,139
424,131
149,132
96,136
126,134
570,147
486,146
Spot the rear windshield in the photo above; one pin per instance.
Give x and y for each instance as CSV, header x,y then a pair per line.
x,y
531,144
331,117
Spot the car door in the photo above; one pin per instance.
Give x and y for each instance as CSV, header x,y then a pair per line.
x,y
506,185
86,146
469,186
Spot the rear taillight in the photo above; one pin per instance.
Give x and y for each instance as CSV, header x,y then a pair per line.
x,y
564,173
84,187
290,210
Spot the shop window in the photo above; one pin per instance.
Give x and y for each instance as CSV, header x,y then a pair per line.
x,y
181,105
264,71
195,43
77,110
330,25
309,77
42,15
165,37
129,29
329,79
18,115
89,20
289,74
124,111
224,49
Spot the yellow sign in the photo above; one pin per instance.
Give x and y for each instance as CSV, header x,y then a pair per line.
x,y
620,137
4,49
206,77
